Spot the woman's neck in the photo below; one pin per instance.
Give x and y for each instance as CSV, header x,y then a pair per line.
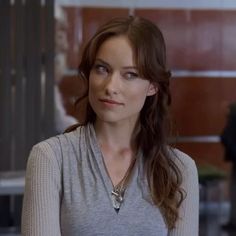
x,y
114,135
116,143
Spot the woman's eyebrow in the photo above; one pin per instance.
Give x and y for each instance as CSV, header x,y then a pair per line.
x,y
130,68
101,61
124,67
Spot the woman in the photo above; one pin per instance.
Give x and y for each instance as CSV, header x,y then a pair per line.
x,y
115,174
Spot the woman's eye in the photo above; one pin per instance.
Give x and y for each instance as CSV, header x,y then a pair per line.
x,y
100,69
131,75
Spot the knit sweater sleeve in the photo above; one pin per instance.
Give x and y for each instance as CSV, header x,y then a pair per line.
x,y
188,223
41,204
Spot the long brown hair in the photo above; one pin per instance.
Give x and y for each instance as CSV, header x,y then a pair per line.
x,y
163,174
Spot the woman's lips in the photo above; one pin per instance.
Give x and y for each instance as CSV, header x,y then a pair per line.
x,y
110,102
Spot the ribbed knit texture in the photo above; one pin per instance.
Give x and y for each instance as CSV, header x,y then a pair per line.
x,y
68,193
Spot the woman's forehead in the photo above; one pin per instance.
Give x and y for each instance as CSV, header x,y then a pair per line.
x,y
117,48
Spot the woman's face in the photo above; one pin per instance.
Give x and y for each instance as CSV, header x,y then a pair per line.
x,y
116,92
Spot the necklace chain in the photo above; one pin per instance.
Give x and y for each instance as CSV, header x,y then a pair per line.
x,y
119,190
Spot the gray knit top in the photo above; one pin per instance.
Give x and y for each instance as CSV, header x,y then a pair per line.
x,y
68,193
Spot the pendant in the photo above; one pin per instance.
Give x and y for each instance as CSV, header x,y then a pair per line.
x,y
117,198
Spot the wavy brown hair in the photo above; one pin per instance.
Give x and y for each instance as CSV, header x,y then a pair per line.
x,y
163,174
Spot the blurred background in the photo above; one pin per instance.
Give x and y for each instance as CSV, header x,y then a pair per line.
x,y
40,46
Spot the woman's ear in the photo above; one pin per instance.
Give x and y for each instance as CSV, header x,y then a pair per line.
x,y
153,89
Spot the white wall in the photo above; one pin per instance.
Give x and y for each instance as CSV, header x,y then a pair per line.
x,y
178,4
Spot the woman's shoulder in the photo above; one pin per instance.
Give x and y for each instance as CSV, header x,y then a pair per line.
x,y
52,147
46,151
183,160
188,170
56,142
62,145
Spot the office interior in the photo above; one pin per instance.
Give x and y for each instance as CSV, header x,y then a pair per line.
x,y
201,48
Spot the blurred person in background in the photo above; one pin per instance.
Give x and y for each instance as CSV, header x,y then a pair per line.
x,y
115,174
62,119
228,139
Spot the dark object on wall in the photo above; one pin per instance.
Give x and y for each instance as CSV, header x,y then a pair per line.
x,y
228,137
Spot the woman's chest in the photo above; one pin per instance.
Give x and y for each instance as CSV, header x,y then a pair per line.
x,y
90,212
87,207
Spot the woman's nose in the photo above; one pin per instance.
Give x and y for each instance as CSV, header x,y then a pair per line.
x,y
113,83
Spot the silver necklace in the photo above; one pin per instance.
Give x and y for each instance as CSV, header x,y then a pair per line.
x,y
118,191
117,198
